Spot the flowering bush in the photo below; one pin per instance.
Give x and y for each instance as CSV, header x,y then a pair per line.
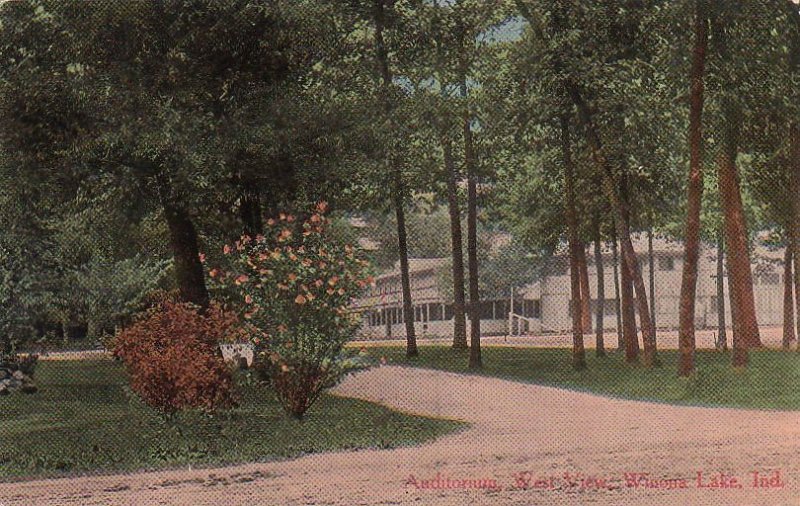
x,y
294,285
171,353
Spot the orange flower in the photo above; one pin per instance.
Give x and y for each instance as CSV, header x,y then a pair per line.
x,y
248,299
341,291
318,283
213,273
241,279
322,207
333,280
292,276
226,250
300,299
282,328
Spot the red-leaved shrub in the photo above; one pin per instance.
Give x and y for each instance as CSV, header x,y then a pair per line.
x,y
172,356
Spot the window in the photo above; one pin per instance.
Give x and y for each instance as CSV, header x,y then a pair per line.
x,y
666,263
485,310
501,309
436,312
532,308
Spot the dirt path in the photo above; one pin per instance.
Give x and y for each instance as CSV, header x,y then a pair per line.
x,y
519,433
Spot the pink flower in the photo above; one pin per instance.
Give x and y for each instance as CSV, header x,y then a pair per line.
x,y
226,250
241,279
248,299
202,258
300,299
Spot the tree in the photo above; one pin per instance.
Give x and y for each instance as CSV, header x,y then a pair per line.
x,y
600,350
686,338
575,248
131,95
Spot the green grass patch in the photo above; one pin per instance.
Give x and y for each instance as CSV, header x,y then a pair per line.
x,y
770,381
83,419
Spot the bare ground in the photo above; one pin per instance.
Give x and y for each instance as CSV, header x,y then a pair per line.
x,y
519,433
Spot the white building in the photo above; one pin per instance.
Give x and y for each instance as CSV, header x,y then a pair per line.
x,y
544,305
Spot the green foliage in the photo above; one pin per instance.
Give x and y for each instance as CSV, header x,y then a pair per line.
x,y
767,384
83,421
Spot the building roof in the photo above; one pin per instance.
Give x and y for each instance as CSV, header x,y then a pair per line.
x,y
415,266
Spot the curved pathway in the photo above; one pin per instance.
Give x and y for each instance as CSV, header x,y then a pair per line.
x,y
526,445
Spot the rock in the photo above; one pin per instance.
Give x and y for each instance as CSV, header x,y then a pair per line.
x,y
4,373
4,389
18,375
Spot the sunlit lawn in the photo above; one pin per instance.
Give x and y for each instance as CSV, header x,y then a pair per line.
x,y
770,382
82,419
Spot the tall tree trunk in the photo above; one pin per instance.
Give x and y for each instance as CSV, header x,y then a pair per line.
x,y
471,166
586,296
652,275
600,349
691,255
186,253
740,278
397,177
575,250
794,235
459,317
722,333
794,161
618,306
189,274
630,338
405,277
475,361
788,300
621,208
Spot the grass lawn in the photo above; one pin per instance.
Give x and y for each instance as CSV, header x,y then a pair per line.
x,y
770,382
83,420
